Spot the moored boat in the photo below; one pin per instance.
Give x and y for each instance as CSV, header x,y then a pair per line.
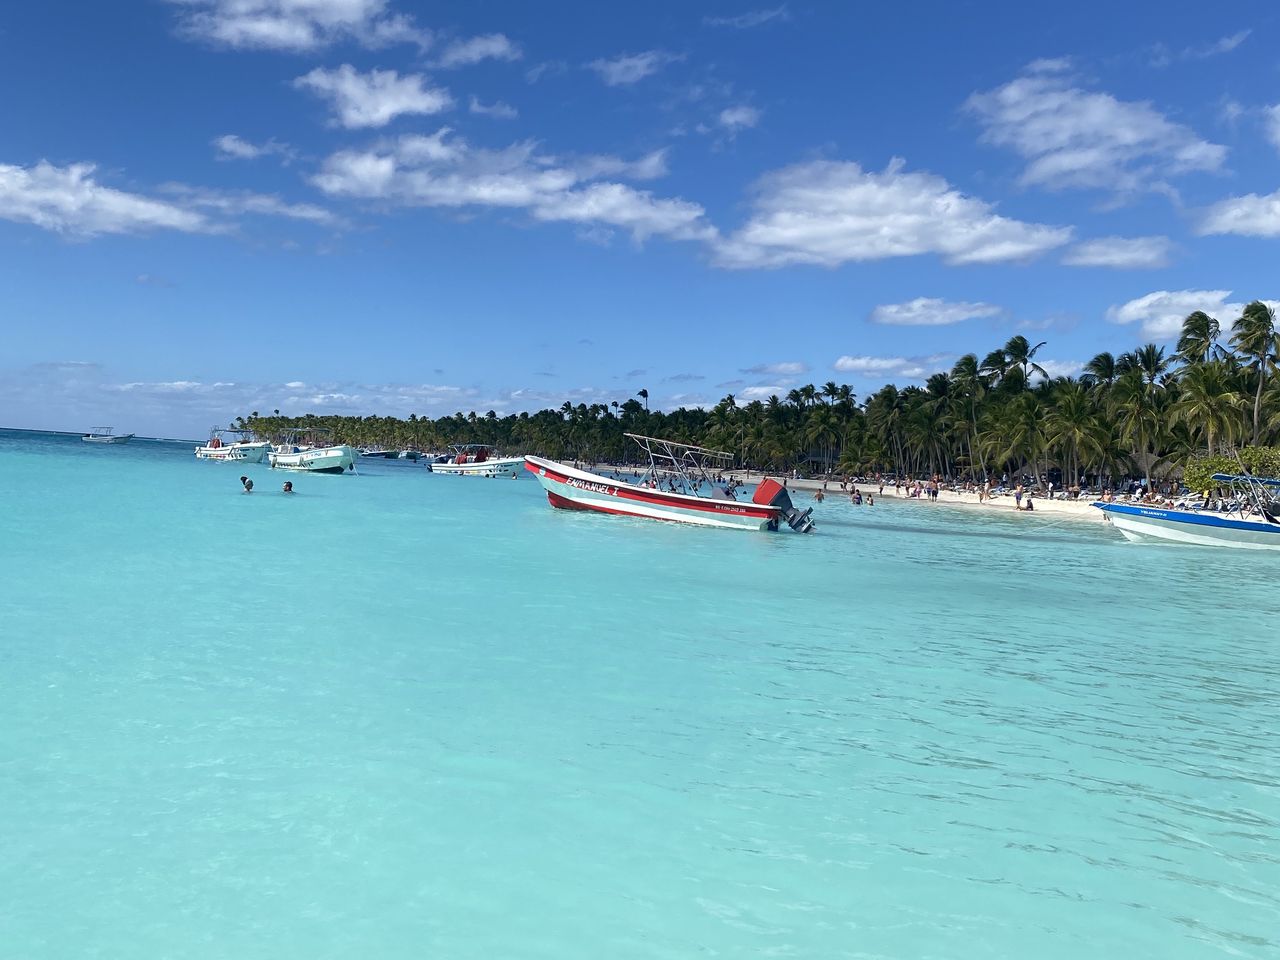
x,y
1253,523
106,435
682,468
239,450
304,450
476,460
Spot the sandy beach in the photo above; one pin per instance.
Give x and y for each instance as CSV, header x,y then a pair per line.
x,y
1075,509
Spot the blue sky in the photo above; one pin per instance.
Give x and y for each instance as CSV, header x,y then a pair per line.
x,y
209,207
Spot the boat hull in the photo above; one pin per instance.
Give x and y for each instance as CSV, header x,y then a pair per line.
x,y
1148,524
124,438
572,489
499,467
319,460
234,452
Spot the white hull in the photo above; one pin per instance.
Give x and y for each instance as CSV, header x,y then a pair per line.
x,y
122,439
500,467
572,489
319,460
1202,529
234,452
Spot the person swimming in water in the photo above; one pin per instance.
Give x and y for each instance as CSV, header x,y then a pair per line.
x,y
288,487
247,484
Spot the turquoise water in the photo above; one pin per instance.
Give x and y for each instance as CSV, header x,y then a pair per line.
x,y
402,715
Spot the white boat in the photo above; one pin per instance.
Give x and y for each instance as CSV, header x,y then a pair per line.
x,y
222,447
476,460
677,487
379,452
106,435
1253,523
303,450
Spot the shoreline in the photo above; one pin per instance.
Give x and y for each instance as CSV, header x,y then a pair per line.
x,y
1082,510
1073,509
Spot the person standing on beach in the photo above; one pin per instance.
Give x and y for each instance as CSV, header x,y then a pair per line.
x,y
1017,498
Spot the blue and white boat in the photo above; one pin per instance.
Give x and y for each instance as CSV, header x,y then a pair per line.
x,y
1253,522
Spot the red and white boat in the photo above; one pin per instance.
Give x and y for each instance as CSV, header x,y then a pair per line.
x,y
672,489
476,460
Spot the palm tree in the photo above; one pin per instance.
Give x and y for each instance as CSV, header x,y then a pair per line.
x,y
645,395
1101,371
1020,355
1209,401
1072,424
1199,337
1254,335
970,383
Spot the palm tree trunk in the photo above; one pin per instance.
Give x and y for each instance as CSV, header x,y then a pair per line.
x,y
1257,399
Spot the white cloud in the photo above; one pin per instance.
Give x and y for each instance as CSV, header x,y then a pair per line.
x,y
296,25
738,118
762,392
491,46
498,110
1161,313
1059,368
783,368
631,68
376,98
445,171
829,213
752,18
625,207
1074,138
1121,252
548,68
1248,216
232,147
930,312
1162,56
70,200
240,203
649,167
1222,45
1271,124
910,368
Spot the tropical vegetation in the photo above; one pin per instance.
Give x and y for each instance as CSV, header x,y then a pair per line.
x,y
1143,413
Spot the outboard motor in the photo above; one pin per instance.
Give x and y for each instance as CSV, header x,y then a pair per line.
x,y
773,494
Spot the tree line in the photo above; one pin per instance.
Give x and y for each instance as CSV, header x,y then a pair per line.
x,y
1142,413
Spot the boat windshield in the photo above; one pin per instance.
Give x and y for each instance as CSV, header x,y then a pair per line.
x,y
682,467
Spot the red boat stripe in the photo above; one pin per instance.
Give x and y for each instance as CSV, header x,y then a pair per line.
x,y
631,492
564,503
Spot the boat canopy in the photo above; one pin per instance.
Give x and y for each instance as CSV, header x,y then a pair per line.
x,y
1246,478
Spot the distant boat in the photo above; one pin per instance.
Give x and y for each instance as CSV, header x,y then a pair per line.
x,y
671,489
305,450
1253,523
409,454
240,450
476,460
379,452
106,435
